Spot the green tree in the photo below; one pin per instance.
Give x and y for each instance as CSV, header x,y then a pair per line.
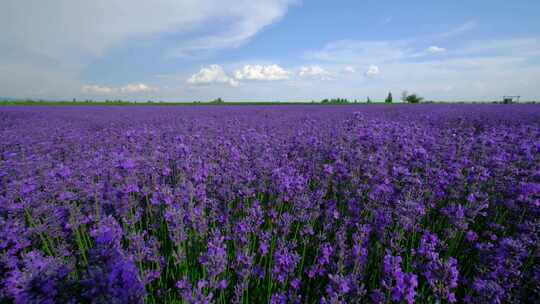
x,y
218,101
335,101
413,98
389,99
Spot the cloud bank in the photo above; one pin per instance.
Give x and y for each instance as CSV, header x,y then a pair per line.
x,y
373,71
213,74
261,72
436,49
314,71
133,88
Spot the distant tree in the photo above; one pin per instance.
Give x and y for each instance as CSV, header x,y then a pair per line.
x,y
389,99
368,100
217,101
413,98
335,101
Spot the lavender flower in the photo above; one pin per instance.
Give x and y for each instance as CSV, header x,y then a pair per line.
x,y
270,204
442,276
401,285
41,280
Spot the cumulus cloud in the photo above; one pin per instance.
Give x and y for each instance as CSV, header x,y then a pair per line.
x,y
349,69
436,49
133,88
373,71
261,72
314,71
97,89
213,74
137,88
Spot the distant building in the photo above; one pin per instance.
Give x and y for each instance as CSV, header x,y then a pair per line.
x,y
510,99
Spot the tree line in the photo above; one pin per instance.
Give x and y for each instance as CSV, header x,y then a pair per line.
x,y
405,97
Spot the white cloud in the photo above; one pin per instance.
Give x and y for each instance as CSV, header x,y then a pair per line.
x,y
436,49
46,46
373,71
402,66
213,74
350,52
68,27
368,52
61,38
349,69
241,22
261,72
97,89
132,88
137,88
314,71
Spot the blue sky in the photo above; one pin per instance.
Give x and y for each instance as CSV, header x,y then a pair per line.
x,y
178,50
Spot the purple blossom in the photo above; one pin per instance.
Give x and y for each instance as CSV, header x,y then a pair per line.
x,y
442,276
215,259
291,204
402,286
41,280
111,277
285,261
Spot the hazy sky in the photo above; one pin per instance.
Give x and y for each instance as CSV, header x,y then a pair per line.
x,y
181,50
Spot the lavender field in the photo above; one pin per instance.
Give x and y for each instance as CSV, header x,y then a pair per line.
x,y
278,204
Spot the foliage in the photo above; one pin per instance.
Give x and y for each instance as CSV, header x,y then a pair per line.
x,y
413,98
217,101
389,98
410,98
335,101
